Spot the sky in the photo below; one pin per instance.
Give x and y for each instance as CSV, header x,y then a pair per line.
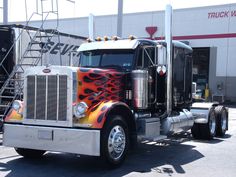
x,y
82,8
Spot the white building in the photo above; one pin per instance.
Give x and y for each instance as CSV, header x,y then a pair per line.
x,y
210,31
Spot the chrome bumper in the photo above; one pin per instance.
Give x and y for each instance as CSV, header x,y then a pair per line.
x,y
79,141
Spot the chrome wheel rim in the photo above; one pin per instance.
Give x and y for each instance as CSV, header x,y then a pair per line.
x,y
223,120
116,142
212,123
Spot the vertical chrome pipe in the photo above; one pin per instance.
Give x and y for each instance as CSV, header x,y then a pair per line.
x,y
71,58
168,39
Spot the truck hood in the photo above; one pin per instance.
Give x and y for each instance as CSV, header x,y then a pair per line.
x,y
98,85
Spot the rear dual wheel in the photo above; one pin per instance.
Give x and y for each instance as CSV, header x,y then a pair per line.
x,y
217,124
1,125
221,120
205,131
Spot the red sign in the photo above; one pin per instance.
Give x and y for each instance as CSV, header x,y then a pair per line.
x,y
151,30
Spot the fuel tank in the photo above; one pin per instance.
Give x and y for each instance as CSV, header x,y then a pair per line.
x,y
180,122
140,89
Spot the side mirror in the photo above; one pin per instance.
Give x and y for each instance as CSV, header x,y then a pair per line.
x,y
161,55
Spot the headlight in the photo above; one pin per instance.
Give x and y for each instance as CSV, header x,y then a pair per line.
x,y
80,109
16,106
16,112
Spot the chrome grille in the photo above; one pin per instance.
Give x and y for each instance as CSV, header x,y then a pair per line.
x,y
62,97
40,97
52,100
46,97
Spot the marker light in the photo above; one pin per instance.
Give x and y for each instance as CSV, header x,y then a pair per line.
x,y
131,37
89,40
106,38
115,38
98,39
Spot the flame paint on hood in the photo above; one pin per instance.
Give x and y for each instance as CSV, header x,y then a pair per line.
x,y
96,85
99,89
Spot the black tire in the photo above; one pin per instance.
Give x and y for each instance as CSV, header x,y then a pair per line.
x,y
30,153
205,131
115,129
1,125
195,130
208,130
221,120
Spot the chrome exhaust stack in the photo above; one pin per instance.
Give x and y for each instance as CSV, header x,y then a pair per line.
x,y
168,39
184,120
91,26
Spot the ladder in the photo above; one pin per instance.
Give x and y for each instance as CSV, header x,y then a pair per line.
x,y
12,87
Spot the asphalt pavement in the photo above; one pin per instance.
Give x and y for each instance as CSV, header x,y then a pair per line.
x,y
180,155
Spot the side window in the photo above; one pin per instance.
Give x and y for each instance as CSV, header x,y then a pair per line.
x,y
146,57
149,56
140,59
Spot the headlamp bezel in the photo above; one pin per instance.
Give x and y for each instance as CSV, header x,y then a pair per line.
x,y
80,109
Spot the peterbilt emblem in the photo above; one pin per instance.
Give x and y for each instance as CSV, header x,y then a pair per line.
x,y
47,70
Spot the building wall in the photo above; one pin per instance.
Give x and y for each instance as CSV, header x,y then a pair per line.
x,y
213,26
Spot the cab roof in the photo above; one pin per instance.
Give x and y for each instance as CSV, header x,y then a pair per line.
x,y
125,44
111,44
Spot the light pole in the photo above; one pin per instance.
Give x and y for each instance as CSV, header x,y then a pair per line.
x,y
120,18
5,12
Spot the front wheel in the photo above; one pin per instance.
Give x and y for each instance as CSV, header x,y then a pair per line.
x,y
115,141
30,153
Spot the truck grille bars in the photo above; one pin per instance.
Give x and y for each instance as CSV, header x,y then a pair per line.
x,y
46,97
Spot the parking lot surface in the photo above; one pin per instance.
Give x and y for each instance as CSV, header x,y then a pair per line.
x,y
178,156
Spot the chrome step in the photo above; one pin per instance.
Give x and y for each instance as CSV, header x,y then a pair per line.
x,y
10,88
3,96
44,36
36,42
35,50
32,57
4,106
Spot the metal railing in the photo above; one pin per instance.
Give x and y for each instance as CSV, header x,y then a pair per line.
x,y
12,88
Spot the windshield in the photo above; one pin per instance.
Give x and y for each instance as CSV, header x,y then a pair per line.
x,y
120,59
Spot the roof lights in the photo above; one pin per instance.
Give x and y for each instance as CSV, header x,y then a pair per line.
x,y
115,38
89,40
106,38
131,37
98,39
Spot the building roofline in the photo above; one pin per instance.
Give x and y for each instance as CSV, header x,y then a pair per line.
x,y
138,13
